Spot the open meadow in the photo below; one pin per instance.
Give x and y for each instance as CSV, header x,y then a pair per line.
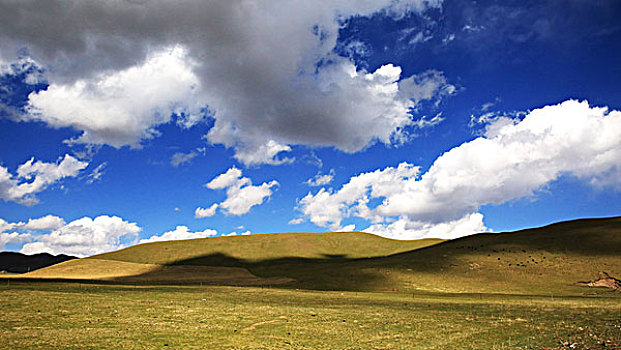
x,y
46,315
328,291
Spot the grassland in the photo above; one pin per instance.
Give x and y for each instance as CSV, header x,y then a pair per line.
x,y
328,291
52,315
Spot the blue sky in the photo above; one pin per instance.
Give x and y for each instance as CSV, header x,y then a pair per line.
x,y
138,122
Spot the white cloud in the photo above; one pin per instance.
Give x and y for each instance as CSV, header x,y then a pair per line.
x,y
321,179
327,208
45,223
241,194
404,228
22,230
296,221
348,228
267,70
85,237
33,177
123,107
240,200
179,233
230,178
8,237
258,152
201,213
512,160
181,158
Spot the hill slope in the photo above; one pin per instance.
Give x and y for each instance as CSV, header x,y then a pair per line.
x,y
187,261
256,248
545,260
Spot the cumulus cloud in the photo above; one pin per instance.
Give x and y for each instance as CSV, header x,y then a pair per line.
x,y
179,233
267,70
33,177
511,160
327,208
241,194
406,228
22,230
45,223
123,107
85,237
321,179
201,213
9,237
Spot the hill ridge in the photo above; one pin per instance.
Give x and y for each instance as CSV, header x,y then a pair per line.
x,y
546,260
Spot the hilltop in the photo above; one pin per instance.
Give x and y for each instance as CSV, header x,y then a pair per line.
x,y
546,260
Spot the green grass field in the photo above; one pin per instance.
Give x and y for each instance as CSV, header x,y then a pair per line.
x,y
328,291
53,315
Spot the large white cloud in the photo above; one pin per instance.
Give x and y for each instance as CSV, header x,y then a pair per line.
x,y
241,194
267,69
123,107
33,177
514,159
179,233
85,237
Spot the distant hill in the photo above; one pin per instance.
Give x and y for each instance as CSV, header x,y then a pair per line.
x,y
20,263
546,260
240,250
210,260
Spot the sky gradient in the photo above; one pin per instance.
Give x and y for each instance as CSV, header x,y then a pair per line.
x,y
124,122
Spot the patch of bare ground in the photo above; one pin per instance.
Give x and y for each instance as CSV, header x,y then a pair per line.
x,y
604,281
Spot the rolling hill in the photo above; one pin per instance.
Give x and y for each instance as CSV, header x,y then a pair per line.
x,y
20,263
228,260
546,260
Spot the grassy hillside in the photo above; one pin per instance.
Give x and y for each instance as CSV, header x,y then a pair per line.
x,y
545,260
227,260
257,248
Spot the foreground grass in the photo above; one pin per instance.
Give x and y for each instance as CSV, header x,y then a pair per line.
x,y
44,315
